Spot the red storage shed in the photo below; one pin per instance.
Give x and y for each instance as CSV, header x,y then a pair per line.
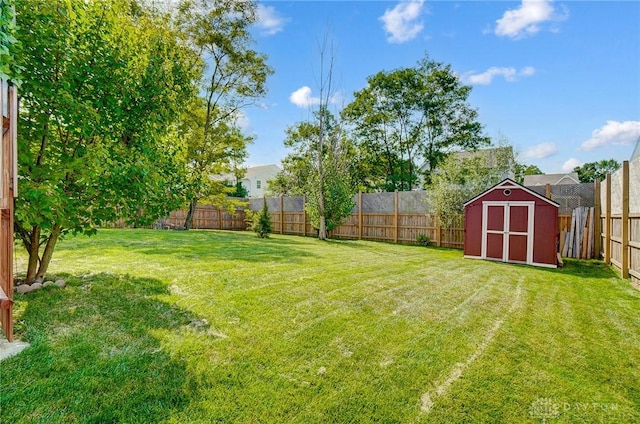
x,y
511,223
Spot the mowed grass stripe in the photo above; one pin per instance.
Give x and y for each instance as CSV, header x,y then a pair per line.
x,y
208,326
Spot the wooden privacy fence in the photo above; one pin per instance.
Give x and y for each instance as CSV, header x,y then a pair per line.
x,y
620,219
397,217
386,223
206,217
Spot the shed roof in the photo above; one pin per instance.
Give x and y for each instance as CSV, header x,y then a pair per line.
x,y
509,183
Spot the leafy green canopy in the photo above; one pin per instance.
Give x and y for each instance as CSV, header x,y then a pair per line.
x,y
592,171
409,116
103,84
209,152
9,44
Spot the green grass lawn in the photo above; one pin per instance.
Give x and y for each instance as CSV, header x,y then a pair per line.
x,y
206,326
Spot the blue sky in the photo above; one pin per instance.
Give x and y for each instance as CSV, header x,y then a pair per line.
x,y
559,80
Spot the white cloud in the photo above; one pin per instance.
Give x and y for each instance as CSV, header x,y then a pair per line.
x,y
269,20
486,77
402,21
527,18
302,97
527,71
613,132
540,151
570,164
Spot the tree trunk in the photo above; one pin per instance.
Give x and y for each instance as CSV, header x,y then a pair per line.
x,y
410,173
48,251
322,231
192,210
33,250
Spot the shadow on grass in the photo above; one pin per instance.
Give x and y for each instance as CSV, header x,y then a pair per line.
x,y
94,356
589,268
581,268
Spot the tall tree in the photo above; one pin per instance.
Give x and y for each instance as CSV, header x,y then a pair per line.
x,y
103,83
413,114
384,118
235,77
326,181
209,152
592,171
322,143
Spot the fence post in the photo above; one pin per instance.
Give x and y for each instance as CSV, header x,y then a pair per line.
x,y
438,232
359,215
304,216
395,216
607,222
547,190
597,225
281,214
220,219
624,272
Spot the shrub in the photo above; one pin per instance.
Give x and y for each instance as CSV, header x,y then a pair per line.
x,y
261,221
423,239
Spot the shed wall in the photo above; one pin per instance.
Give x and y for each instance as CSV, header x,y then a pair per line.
x,y
545,232
473,230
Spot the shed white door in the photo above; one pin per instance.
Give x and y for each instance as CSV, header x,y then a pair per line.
x,y
507,231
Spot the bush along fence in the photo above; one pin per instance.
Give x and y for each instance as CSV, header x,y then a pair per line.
x,y
620,219
396,217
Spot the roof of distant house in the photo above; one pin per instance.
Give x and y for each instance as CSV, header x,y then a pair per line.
x,y
551,179
256,170
491,155
251,172
636,152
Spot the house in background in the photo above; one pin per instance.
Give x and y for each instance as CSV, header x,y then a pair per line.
x,y
255,179
636,151
493,157
551,179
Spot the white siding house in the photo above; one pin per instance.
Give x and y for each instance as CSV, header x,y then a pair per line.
x,y
255,180
256,177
